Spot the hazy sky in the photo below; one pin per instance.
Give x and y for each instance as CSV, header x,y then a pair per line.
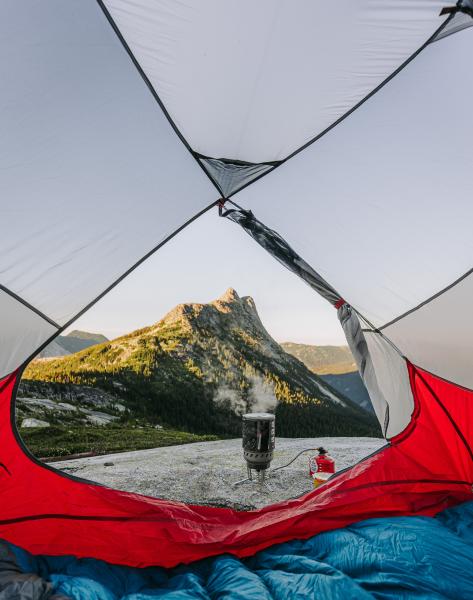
x,y
198,265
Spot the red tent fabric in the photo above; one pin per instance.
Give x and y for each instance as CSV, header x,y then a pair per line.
x,y
422,471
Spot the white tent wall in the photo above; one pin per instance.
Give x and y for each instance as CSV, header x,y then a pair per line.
x,y
393,385
266,77
21,332
93,176
438,336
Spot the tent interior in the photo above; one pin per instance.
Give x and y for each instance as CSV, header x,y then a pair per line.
x,y
337,137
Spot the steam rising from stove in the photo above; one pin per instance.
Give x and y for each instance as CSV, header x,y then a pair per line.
x,y
260,397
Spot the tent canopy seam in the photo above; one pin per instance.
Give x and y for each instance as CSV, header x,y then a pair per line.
x,y
272,164
29,306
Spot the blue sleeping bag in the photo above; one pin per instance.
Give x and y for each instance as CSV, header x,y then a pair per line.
x,y
405,557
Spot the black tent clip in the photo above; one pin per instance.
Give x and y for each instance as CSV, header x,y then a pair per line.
x,y
459,7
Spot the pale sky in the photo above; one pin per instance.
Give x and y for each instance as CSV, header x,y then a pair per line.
x,y
198,265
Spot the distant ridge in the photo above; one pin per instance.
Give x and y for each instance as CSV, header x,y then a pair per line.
x,y
323,359
336,366
75,341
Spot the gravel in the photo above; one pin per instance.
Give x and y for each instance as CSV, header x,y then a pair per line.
x,y
206,472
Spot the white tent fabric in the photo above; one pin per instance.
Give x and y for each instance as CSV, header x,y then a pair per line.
x,y
392,390
91,176
266,77
22,330
114,113
438,336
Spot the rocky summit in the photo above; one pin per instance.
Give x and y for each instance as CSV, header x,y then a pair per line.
x,y
201,367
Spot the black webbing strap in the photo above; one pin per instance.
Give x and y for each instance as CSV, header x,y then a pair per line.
x,y
277,246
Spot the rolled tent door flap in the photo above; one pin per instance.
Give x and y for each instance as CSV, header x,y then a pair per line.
x,y
279,249
384,372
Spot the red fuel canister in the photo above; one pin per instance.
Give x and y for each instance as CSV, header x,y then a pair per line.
x,y
321,466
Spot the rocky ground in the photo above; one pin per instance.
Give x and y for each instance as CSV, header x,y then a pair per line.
x,y
41,404
206,472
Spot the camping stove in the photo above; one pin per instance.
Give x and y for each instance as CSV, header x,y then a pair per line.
x,y
258,442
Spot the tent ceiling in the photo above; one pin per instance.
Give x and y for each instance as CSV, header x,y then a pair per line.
x,y
255,81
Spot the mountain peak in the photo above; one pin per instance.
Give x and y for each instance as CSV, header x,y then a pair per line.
x,y
226,312
230,295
